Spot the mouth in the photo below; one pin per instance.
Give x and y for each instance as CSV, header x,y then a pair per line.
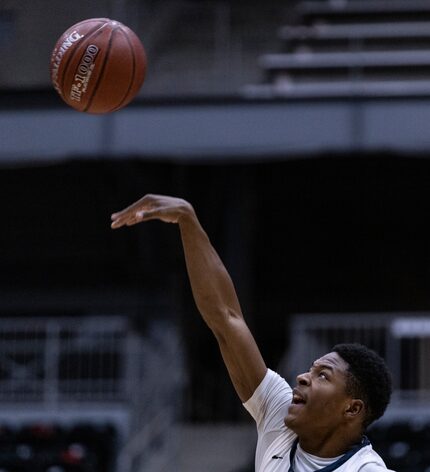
x,y
296,409
298,397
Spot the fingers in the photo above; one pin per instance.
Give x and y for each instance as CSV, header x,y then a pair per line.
x,y
127,217
117,224
131,219
119,220
131,210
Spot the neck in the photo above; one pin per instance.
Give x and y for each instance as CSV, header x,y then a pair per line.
x,y
328,446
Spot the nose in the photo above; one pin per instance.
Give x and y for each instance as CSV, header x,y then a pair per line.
x,y
304,379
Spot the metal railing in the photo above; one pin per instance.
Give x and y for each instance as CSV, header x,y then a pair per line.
x,y
53,360
66,367
403,339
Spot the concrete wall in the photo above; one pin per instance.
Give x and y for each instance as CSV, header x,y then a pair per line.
x,y
231,130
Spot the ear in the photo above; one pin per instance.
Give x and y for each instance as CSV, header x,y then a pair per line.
x,y
354,408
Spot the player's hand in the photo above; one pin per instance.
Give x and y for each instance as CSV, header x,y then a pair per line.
x,y
152,207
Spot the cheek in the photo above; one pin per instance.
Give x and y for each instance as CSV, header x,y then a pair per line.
x,y
332,407
328,400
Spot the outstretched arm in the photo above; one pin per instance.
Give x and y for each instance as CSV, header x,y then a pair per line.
x,y
211,285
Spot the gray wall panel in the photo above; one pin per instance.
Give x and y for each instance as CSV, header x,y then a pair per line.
x,y
397,125
241,129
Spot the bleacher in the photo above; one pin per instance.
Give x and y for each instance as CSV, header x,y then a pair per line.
x,y
369,11
349,49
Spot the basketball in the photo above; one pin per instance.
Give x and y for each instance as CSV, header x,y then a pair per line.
x,y
98,65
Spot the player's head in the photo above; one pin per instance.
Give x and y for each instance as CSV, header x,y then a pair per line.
x,y
368,379
347,388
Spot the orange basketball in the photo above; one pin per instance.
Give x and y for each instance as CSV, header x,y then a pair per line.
x,y
98,65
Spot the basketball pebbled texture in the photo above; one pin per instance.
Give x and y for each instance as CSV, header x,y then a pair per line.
x,y
98,65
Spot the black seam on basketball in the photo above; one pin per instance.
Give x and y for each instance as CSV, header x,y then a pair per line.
x,y
90,20
117,107
102,70
72,55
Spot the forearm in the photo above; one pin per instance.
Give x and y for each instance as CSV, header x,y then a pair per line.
x,y
217,302
212,287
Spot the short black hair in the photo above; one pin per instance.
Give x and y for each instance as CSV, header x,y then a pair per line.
x,y
368,379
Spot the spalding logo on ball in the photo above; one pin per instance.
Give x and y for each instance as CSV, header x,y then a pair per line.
x,y
98,65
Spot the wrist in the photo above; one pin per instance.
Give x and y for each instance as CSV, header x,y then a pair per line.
x,y
186,213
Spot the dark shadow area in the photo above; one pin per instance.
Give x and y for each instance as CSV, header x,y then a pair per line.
x,y
326,235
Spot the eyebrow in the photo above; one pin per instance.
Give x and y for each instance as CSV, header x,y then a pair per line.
x,y
322,366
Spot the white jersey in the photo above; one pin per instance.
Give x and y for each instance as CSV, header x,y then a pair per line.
x,y
268,406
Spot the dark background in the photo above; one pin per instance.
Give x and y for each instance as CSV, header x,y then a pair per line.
x,y
327,234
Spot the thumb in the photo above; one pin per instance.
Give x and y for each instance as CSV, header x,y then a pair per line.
x,y
163,214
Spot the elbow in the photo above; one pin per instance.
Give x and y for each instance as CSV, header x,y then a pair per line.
x,y
221,320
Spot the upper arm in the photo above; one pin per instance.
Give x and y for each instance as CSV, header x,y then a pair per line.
x,y
241,355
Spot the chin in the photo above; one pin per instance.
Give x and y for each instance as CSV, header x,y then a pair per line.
x,y
295,416
290,422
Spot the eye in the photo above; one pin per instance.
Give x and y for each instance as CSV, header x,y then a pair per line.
x,y
323,375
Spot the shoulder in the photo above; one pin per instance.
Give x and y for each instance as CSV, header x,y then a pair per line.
x,y
273,394
268,406
373,467
271,387
371,461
